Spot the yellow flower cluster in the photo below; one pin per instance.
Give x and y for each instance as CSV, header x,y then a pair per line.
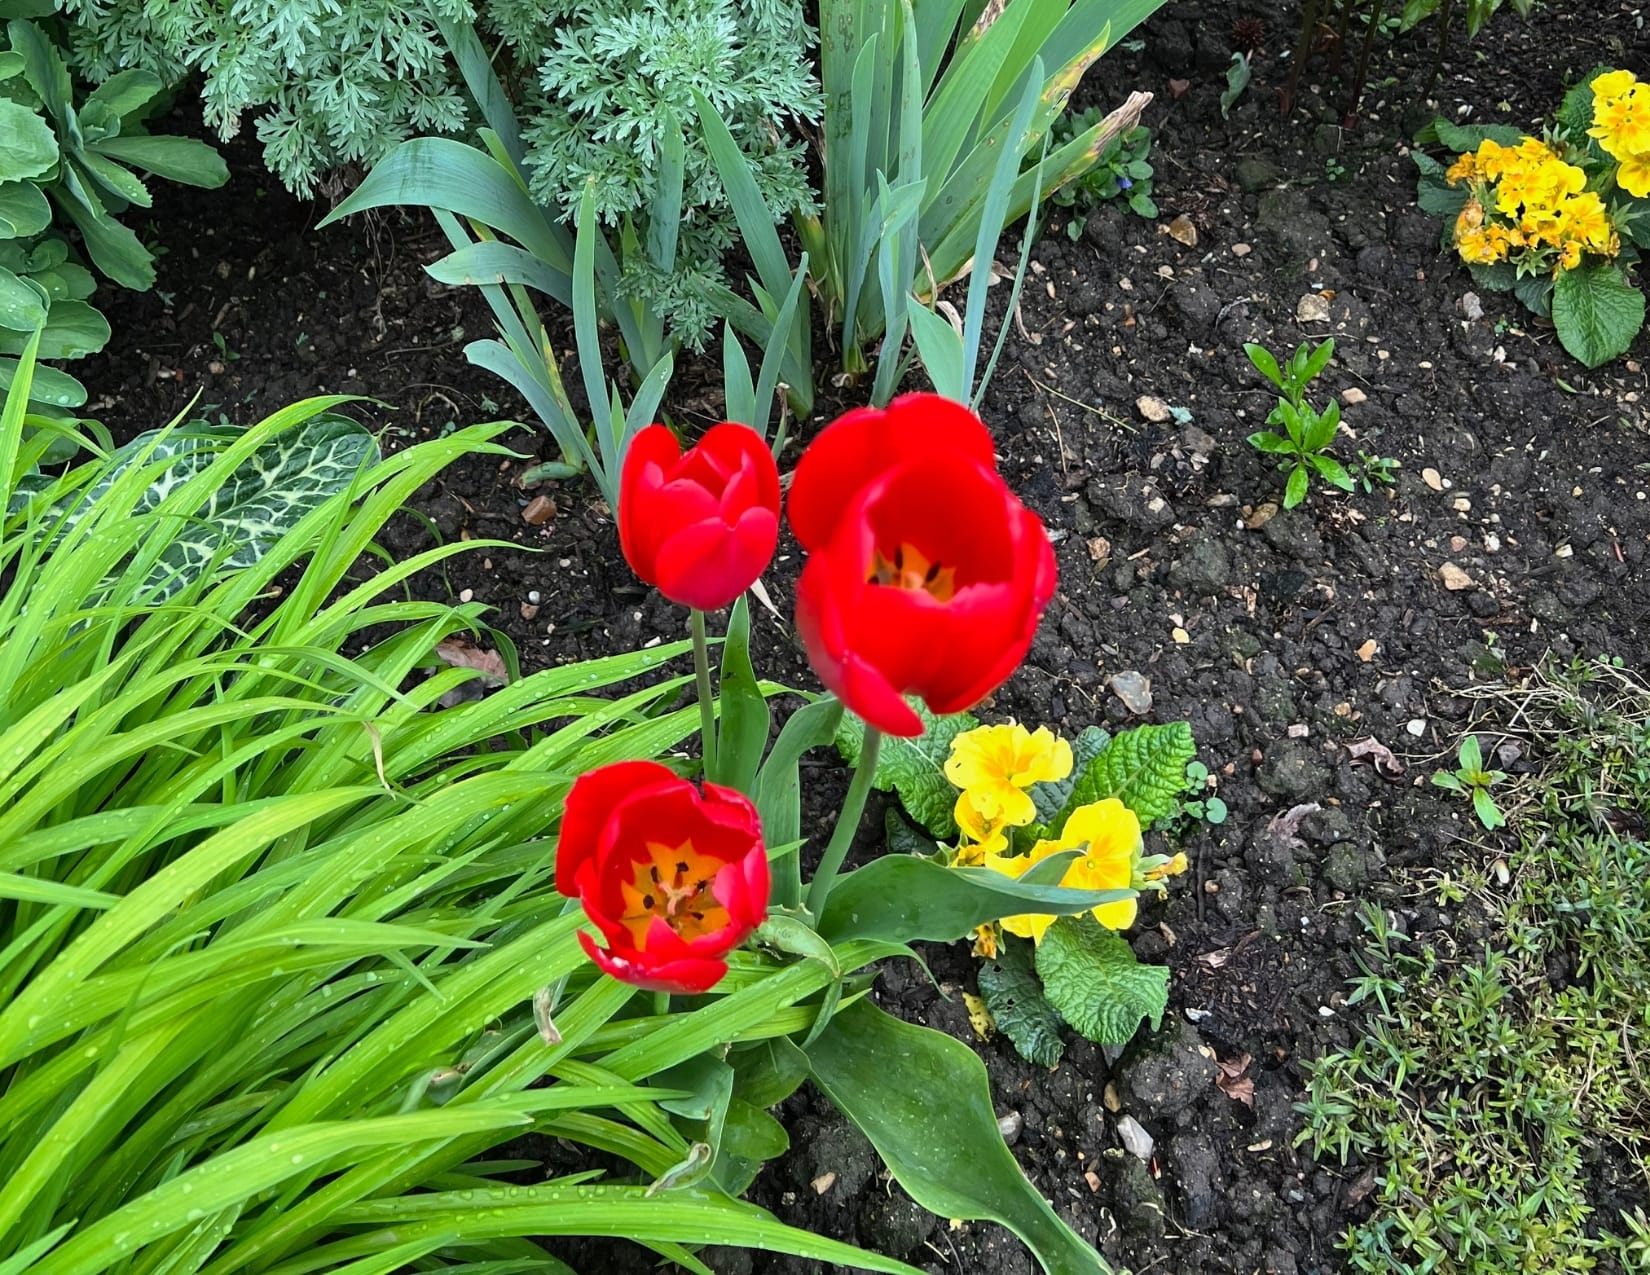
x,y
993,766
1529,207
1621,123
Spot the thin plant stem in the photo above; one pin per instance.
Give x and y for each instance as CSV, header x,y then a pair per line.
x,y
1303,51
847,823
1360,77
707,706
661,1004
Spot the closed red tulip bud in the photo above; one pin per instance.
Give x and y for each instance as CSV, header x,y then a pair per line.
x,y
925,575
673,878
700,525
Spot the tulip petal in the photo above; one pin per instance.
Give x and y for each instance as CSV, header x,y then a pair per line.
x,y
708,564
649,458
687,976
591,803
863,444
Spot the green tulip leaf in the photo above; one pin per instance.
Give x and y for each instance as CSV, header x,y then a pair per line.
x,y
745,718
901,899
924,1101
768,1072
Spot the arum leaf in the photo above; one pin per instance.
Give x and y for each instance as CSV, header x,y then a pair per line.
x,y
914,768
938,1137
1091,977
902,898
1144,768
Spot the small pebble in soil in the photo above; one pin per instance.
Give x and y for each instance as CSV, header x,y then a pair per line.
x,y
1134,689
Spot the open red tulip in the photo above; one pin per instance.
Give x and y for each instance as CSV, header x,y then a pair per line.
x,y
700,525
673,878
925,575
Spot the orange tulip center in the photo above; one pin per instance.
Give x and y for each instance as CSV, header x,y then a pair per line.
x,y
674,884
910,568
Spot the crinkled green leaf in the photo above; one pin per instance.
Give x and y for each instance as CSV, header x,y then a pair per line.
x,y
1092,980
1051,797
1014,995
1144,768
914,768
1596,313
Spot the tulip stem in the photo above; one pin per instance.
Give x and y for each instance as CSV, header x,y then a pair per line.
x,y
847,823
707,705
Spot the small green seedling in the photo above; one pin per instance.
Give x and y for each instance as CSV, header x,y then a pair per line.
x,y
1304,444
1471,777
1375,471
1122,171
1211,809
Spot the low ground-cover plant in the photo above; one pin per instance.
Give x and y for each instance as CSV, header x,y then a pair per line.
x,y
282,956
333,84
1303,447
1557,220
1498,1082
66,161
1121,171
1473,780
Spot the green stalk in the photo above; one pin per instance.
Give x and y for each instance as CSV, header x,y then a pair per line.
x,y
707,706
847,823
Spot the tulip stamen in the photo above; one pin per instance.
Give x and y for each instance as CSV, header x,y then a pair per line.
x,y
910,568
675,887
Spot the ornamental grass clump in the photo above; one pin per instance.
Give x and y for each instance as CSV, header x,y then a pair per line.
x,y
283,960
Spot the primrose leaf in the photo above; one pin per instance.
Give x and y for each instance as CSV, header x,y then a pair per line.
x,y
1596,312
914,768
1091,978
1013,994
1144,768
1050,798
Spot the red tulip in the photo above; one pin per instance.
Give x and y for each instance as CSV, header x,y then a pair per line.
x,y
701,525
925,574
672,878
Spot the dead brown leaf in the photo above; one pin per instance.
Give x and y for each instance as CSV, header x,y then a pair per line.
x,y
461,654
1378,755
1233,1079
1286,826
1181,230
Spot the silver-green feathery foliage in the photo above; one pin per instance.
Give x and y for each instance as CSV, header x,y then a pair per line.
x,y
330,83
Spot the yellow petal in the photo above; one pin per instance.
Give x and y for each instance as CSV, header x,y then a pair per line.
x,y
1610,85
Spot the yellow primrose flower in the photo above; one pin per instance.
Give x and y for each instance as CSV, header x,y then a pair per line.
x,y
994,765
1173,868
1109,836
1463,169
1622,124
1493,159
1612,84
985,942
1569,258
1588,220
1634,175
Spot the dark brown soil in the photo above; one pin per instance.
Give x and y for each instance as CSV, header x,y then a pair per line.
x,y
1283,639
